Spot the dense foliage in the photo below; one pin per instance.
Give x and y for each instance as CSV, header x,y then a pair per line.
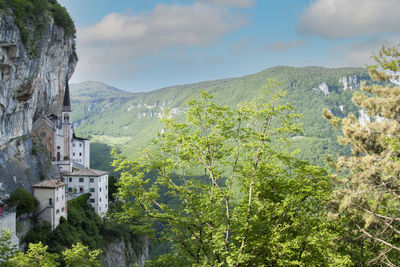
x,y
252,204
7,251
368,194
38,256
86,227
24,201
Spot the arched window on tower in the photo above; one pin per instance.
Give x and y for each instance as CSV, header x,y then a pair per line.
x,y
66,118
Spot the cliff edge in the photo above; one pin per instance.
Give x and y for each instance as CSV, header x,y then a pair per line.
x,y
31,85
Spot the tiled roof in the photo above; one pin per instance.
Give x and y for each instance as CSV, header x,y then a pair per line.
x,y
49,184
79,138
84,172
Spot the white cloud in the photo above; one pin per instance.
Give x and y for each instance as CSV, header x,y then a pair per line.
x,y
284,46
120,42
359,54
347,18
235,3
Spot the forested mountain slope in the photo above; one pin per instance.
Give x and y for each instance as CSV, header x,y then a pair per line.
x,y
112,117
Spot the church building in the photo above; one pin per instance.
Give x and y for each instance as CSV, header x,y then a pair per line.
x,y
71,155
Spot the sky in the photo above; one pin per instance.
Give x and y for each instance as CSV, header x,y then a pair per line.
x,y
143,45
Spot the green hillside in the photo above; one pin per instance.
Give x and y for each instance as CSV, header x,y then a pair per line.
x,y
129,121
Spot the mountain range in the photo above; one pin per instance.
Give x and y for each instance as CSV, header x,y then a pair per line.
x,y
115,118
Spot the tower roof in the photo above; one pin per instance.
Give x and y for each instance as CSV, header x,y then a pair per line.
x,y
67,101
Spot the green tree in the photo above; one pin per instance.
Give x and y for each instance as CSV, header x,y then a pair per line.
x,y
36,256
239,198
25,202
368,184
80,256
112,187
7,251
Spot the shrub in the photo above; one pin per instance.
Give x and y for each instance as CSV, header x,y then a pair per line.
x,y
25,202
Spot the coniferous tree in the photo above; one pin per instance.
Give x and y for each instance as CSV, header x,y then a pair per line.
x,y
368,183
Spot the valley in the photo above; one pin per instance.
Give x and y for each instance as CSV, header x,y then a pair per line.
x,y
129,121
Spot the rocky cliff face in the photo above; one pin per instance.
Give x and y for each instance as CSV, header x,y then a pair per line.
x,y
121,253
31,85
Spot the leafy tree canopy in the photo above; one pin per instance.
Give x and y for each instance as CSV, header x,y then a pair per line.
x,y
238,197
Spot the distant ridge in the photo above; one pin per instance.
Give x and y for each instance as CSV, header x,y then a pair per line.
x,y
130,120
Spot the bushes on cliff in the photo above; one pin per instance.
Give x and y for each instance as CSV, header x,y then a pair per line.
x,y
34,13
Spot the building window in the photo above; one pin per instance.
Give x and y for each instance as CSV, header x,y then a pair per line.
x,y
56,199
81,180
73,154
100,200
91,200
57,211
106,197
70,179
80,154
62,209
100,189
106,187
91,180
73,145
69,189
99,208
80,145
58,147
92,189
50,201
106,205
62,196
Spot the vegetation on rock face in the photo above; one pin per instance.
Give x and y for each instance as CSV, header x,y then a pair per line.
x,y
33,14
368,194
240,198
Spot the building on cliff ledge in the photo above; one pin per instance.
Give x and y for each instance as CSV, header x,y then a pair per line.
x,y
71,156
53,202
82,180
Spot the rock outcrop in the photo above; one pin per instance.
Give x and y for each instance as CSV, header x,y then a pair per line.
x,y
121,253
349,82
31,85
323,87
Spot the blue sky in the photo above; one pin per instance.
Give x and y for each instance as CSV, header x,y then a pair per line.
x,y
142,45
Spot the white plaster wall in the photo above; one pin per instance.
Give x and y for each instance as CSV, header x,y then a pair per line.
x,y
103,195
86,153
59,142
100,206
43,195
81,152
59,205
8,223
